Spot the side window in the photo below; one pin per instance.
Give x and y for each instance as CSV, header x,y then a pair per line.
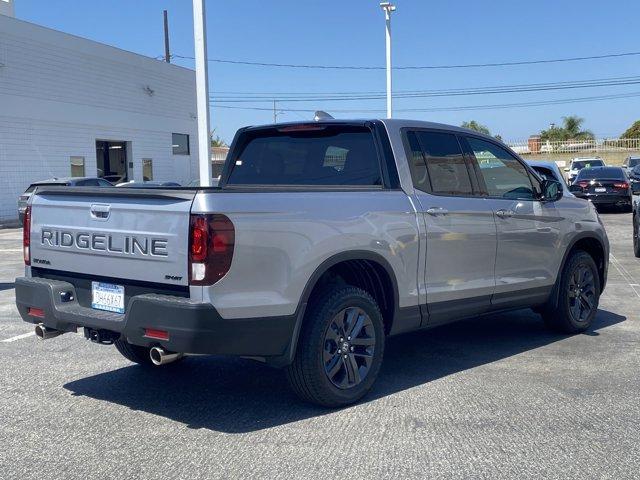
x,y
504,176
446,168
417,164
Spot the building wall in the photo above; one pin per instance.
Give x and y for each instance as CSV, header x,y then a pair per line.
x,y
60,93
6,7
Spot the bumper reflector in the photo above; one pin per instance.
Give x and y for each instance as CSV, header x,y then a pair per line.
x,y
157,334
36,312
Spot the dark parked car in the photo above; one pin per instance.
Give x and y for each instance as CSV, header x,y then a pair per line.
x,y
604,186
23,199
636,227
630,163
634,177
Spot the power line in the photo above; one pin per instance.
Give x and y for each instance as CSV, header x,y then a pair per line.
x,y
283,95
416,67
456,108
534,87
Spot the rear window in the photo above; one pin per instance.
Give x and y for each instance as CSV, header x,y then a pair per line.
x,y
600,173
580,164
634,162
321,155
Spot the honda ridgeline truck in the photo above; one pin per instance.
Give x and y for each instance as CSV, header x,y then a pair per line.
x,y
321,240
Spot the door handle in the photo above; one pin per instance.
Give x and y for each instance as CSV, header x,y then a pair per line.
x,y
505,213
435,211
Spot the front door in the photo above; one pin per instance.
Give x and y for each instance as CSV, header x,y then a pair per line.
x,y
461,231
111,160
529,231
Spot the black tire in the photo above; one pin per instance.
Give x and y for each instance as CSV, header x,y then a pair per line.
x,y
578,295
134,353
636,232
321,372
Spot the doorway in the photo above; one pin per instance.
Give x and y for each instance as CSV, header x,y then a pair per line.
x,y
111,160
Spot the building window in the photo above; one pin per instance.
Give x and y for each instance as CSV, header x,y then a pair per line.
x,y
77,166
180,143
147,169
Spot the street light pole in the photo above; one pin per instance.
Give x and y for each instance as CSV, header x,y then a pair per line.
x,y
388,7
202,93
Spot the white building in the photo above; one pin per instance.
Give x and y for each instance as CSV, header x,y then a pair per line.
x,y
73,107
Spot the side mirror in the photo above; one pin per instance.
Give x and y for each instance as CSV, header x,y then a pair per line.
x,y
551,190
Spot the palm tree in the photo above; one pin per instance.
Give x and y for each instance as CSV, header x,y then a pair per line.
x,y
572,125
216,141
571,129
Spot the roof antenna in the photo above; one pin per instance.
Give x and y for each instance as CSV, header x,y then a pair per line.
x,y
321,115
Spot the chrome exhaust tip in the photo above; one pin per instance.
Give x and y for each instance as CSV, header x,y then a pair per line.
x,y
45,333
159,356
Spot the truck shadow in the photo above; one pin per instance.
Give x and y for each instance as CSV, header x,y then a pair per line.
x,y
238,396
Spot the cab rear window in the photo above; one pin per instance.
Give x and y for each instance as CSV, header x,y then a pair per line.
x,y
330,155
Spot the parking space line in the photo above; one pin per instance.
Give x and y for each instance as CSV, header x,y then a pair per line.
x,y
10,249
17,337
625,274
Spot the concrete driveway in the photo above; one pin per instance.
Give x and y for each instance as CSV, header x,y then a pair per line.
x,y
497,397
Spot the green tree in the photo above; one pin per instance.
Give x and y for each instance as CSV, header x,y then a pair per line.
x,y
633,131
478,127
571,129
216,141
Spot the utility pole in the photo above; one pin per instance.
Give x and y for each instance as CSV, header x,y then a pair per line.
x,y
388,8
275,115
167,53
202,92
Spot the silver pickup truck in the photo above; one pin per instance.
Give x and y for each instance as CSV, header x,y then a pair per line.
x,y
320,241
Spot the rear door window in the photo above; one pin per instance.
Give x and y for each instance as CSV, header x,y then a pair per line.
x,y
437,163
333,155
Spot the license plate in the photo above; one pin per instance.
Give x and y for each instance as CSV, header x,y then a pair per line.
x,y
600,189
106,296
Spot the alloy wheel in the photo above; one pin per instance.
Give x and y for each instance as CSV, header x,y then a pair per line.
x,y
349,345
582,293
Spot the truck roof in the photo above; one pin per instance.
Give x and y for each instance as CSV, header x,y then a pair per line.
x,y
393,123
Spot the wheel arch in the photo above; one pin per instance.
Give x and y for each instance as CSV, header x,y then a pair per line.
x,y
594,246
367,270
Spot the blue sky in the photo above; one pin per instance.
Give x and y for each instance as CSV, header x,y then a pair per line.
x,y
433,32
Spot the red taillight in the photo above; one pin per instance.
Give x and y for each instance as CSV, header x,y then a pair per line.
x,y
157,334
211,244
303,127
583,184
36,312
199,239
624,185
26,235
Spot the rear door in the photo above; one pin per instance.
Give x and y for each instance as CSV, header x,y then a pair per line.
x,y
529,231
109,232
461,231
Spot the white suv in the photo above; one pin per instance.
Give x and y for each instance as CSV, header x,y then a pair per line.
x,y
579,163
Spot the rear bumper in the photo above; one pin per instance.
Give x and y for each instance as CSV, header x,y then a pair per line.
x,y
192,327
606,199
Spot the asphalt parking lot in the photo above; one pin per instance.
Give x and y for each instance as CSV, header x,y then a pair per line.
x,y
497,397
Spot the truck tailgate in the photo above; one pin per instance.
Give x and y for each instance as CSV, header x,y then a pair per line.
x,y
135,234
